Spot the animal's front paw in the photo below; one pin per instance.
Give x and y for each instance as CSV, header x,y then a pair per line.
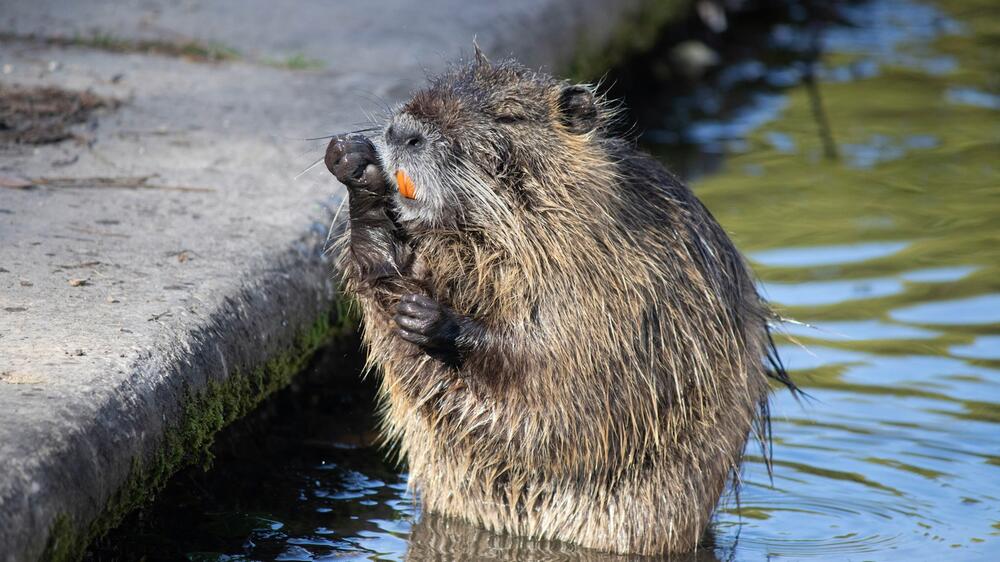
x,y
352,159
425,322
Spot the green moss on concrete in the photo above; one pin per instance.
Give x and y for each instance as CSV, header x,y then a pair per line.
x,y
191,50
298,61
189,441
63,542
203,52
636,33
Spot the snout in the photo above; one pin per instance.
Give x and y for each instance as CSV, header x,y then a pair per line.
x,y
405,136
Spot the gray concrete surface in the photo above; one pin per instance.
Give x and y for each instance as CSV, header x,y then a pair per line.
x,y
215,262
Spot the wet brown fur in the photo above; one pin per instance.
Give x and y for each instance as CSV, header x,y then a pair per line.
x,y
625,367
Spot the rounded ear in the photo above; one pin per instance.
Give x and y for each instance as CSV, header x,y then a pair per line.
x,y
577,109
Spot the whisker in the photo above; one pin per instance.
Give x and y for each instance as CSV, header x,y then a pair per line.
x,y
369,116
365,130
372,97
311,166
333,223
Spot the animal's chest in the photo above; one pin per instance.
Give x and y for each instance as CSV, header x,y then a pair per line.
x,y
455,281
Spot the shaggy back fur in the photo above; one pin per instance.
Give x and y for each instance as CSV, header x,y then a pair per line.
x,y
625,369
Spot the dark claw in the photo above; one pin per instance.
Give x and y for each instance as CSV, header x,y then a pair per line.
x,y
419,301
415,339
408,308
426,323
419,325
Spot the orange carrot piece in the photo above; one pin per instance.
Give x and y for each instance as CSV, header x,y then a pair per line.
x,y
406,187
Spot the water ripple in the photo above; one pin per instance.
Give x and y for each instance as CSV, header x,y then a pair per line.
x,y
984,309
812,256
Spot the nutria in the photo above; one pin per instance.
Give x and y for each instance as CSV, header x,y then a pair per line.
x,y
571,347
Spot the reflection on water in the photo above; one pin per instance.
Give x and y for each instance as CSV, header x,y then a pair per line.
x,y
888,259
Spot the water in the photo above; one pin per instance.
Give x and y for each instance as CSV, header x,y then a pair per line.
x,y
890,254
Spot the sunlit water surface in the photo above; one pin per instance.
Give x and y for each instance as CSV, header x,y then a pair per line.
x,y
888,256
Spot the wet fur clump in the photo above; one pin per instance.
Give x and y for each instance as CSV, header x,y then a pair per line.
x,y
570,345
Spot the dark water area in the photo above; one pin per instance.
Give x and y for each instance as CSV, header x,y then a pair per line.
x,y
851,151
302,476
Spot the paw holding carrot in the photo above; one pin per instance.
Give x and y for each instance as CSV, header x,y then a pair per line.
x,y
377,242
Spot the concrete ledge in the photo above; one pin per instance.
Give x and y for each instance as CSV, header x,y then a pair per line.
x,y
165,272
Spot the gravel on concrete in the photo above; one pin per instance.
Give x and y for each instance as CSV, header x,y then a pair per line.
x,y
174,237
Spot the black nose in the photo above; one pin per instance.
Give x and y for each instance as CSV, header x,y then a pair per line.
x,y
405,136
